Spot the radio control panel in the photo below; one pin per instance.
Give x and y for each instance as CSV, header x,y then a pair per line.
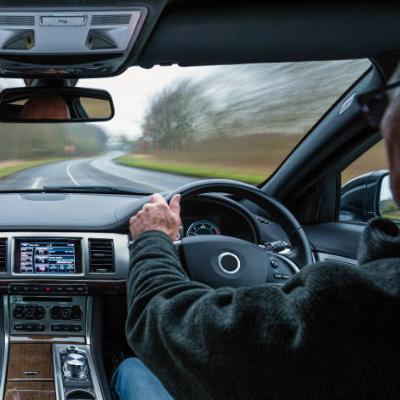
x,y
58,315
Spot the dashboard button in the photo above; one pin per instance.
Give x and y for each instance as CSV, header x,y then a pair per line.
x,y
55,312
66,313
18,327
76,328
28,312
274,263
76,313
80,289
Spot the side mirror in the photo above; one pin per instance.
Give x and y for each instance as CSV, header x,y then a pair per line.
x,y
388,208
366,197
58,104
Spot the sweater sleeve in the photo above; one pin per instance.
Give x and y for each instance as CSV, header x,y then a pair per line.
x,y
190,334
380,239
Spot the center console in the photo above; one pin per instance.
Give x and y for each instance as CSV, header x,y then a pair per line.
x,y
50,354
61,315
52,318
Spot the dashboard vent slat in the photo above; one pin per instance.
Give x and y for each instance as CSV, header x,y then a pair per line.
x,y
3,255
119,19
101,255
18,20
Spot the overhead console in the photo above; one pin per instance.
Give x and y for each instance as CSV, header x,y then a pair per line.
x,y
67,42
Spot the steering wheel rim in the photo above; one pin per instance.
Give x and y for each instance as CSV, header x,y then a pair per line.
x,y
301,253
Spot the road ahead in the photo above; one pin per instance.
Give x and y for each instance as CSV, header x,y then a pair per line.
x,y
93,171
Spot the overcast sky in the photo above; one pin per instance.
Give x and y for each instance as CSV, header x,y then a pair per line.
x,y
302,91
132,92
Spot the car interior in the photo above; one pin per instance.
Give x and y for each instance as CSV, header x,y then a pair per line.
x,y
62,332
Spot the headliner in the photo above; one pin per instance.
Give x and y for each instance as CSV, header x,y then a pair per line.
x,y
193,32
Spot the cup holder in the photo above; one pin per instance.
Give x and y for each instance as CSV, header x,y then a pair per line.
x,y
80,395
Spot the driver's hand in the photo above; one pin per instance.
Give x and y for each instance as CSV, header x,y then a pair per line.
x,y
158,215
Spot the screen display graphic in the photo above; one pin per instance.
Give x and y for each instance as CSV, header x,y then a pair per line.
x,y
47,257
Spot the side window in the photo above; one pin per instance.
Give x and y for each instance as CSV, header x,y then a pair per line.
x,y
365,186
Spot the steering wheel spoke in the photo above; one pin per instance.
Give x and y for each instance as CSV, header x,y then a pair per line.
x,y
224,261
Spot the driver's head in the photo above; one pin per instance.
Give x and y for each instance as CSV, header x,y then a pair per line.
x,y
45,106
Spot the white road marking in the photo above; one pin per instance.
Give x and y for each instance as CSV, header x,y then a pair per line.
x,y
36,183
97,164
74,181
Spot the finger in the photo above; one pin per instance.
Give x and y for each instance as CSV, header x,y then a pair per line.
x,y
156,198
175,203
147,207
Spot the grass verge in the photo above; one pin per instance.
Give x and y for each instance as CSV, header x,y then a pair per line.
x,y
20,166
189,170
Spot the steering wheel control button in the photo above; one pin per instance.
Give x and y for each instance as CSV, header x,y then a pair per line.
x,y
281,276
229,263
274,264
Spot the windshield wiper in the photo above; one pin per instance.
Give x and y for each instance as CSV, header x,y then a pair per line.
x,y
91,189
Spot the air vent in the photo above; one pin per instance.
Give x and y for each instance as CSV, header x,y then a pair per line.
x,y
17,20
121,19
3,255
101,255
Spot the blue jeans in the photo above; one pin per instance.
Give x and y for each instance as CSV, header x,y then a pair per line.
x,y
132,380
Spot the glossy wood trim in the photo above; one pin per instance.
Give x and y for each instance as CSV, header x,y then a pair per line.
x,y
33,361
30,390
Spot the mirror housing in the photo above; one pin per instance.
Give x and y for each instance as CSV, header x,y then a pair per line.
x,y
361,197
55,104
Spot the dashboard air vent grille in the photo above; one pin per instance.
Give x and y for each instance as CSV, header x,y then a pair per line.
x,y
101,255
21,20
3,255
121,19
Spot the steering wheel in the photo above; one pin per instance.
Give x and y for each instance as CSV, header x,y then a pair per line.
x,y
220,261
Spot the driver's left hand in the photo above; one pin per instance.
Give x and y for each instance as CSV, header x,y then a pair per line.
x,y
157,215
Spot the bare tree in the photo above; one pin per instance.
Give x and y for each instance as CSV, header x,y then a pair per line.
x,y
175,116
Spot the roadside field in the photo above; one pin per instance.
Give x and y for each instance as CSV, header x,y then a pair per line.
x,y
249,158
11,166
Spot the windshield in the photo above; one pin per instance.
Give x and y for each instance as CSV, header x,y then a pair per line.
x,y
173,125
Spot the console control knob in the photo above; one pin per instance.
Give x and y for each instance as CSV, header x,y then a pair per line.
x,y
75,366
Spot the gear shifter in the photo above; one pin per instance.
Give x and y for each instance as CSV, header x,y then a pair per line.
x,y
75,365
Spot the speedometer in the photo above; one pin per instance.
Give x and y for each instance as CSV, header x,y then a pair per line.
x,y
203,227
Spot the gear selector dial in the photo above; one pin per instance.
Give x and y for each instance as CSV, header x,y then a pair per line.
x,y
75,365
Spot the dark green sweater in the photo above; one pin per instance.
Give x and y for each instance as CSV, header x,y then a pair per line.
x,y
333,331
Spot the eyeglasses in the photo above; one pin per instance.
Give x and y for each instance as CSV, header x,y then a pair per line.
x,y
374,103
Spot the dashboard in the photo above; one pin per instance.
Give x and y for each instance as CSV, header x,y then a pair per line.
x,y
92,259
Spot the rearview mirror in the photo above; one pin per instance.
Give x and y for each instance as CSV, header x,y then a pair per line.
x,y
59,104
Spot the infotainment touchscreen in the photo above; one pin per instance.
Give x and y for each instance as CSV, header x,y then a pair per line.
x,y
47,256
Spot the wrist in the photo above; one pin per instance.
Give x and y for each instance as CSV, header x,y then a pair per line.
x,y
147,233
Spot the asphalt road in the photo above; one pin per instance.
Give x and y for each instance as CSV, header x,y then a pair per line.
x,y
93,171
